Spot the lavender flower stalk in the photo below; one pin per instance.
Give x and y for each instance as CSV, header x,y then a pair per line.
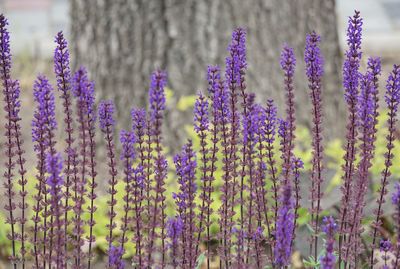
x,y
392,99
386,248
288,63
350,83
396,203
201,124
115,258
270,131
86,97
314,72
106,120
80,87
5,66
174,231
43,127
219,105
250,123
329,228
157,105
63,76
261,191
13,132
366,120
139,127
186,164
235,63
284,228
128,141
225,212
297,165
54,182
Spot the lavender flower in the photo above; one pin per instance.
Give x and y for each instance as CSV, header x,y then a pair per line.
x,y
314,72
396,203
350,83
297,166
54,167
220,110
55,182
329,228
392,98
106,120
385,248
201,125
106,111
115,257
201,114
63,76
157,105
269,131
174,231
365,115
44,98
288,63
14,143
234,75
156,95
186,164
284,228
83,92
128,141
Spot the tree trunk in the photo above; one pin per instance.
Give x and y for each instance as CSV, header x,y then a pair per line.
x,y
121,42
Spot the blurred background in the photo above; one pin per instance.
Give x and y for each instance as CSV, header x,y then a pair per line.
x,y
122,41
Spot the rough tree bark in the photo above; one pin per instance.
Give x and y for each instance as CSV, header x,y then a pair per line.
x,y
121,42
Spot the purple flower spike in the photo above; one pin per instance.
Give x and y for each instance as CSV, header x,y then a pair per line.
x,y
236,61
392,100
106,110
174,231
386,248
353,56
54,168
61,62
43,126
43,95
14,151
329,228
213,76
186,164
284,229
396,203
4,49
351,77
201,114
115,258
128,141
288,62
313,57
83,89
157,96
55,182
314,72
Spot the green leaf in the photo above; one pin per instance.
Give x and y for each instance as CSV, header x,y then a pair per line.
x,y
200,260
